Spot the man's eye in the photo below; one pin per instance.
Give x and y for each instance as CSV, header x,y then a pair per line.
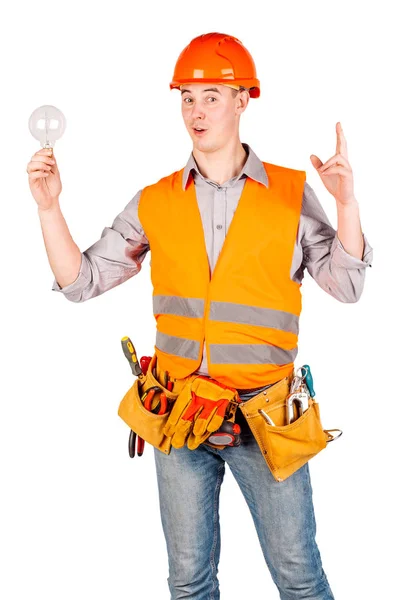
x,y
209,98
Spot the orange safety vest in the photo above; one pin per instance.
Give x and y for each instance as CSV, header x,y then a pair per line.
x,y
248,312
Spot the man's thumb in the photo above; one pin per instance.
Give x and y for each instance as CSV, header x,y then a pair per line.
x,y
316,162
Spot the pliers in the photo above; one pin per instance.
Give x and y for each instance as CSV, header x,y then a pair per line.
x,y
160,409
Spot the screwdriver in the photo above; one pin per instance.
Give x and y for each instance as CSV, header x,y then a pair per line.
x,y
130,353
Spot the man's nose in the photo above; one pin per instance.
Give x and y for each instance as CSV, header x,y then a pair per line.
x,y
197,112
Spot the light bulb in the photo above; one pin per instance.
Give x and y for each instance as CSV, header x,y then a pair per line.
x,y
47,124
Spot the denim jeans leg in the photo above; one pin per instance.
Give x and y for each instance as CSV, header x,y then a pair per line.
x,y
189,483
284,519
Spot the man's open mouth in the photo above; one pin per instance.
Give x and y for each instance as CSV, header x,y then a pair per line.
x,y
199,130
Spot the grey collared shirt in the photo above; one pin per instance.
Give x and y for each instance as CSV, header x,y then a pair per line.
x,y
119,253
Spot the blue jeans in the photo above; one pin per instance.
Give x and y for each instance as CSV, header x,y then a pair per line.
x,y
189,483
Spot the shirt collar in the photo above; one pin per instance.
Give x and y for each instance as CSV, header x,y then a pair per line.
x,y
253,168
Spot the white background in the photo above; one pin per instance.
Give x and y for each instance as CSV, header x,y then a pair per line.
x,y
79,518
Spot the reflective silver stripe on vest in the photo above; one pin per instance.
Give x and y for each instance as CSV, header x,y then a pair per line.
x,y
232,313
254,354
227,311
254,315
176,305
178,346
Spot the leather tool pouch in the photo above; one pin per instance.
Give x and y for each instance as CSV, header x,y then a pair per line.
x,y
285,447
149,425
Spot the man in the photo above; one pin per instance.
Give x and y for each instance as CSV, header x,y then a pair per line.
x,y
203,279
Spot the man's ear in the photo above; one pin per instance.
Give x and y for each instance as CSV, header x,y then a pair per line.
x,y
242,100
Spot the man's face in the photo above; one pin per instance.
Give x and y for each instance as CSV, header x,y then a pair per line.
x,y
214,108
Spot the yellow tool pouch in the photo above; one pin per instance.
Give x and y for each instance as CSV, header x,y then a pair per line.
x,y
148,425
285,447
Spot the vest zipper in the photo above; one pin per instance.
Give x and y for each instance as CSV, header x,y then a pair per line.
x,y
205,317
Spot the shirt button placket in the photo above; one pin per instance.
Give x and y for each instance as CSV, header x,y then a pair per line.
x,y
219,220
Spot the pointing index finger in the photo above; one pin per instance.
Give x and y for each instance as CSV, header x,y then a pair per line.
x,y
341,144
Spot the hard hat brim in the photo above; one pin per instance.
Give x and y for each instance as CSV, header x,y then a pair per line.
x,y
252,85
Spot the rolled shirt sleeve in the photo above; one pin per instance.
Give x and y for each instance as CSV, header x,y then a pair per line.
x,y
114,258
335,270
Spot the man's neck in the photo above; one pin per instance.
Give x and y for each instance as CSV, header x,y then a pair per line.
x,y
221,165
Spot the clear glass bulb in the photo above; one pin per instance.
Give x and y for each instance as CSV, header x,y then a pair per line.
x,y
47,124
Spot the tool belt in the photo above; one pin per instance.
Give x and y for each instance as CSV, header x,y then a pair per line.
x,y
197,406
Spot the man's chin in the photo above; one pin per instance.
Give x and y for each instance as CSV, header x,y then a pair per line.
x,y
204,145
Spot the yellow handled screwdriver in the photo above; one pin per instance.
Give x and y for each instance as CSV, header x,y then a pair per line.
x,y
130,353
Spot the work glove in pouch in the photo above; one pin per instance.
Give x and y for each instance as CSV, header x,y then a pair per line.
x,y
198,411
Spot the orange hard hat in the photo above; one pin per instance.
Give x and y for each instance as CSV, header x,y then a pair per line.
x,y
218,58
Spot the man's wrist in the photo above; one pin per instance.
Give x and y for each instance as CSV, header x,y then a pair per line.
x,y
348,207
55,205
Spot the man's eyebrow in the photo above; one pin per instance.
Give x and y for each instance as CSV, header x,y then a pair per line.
x,y
207,90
